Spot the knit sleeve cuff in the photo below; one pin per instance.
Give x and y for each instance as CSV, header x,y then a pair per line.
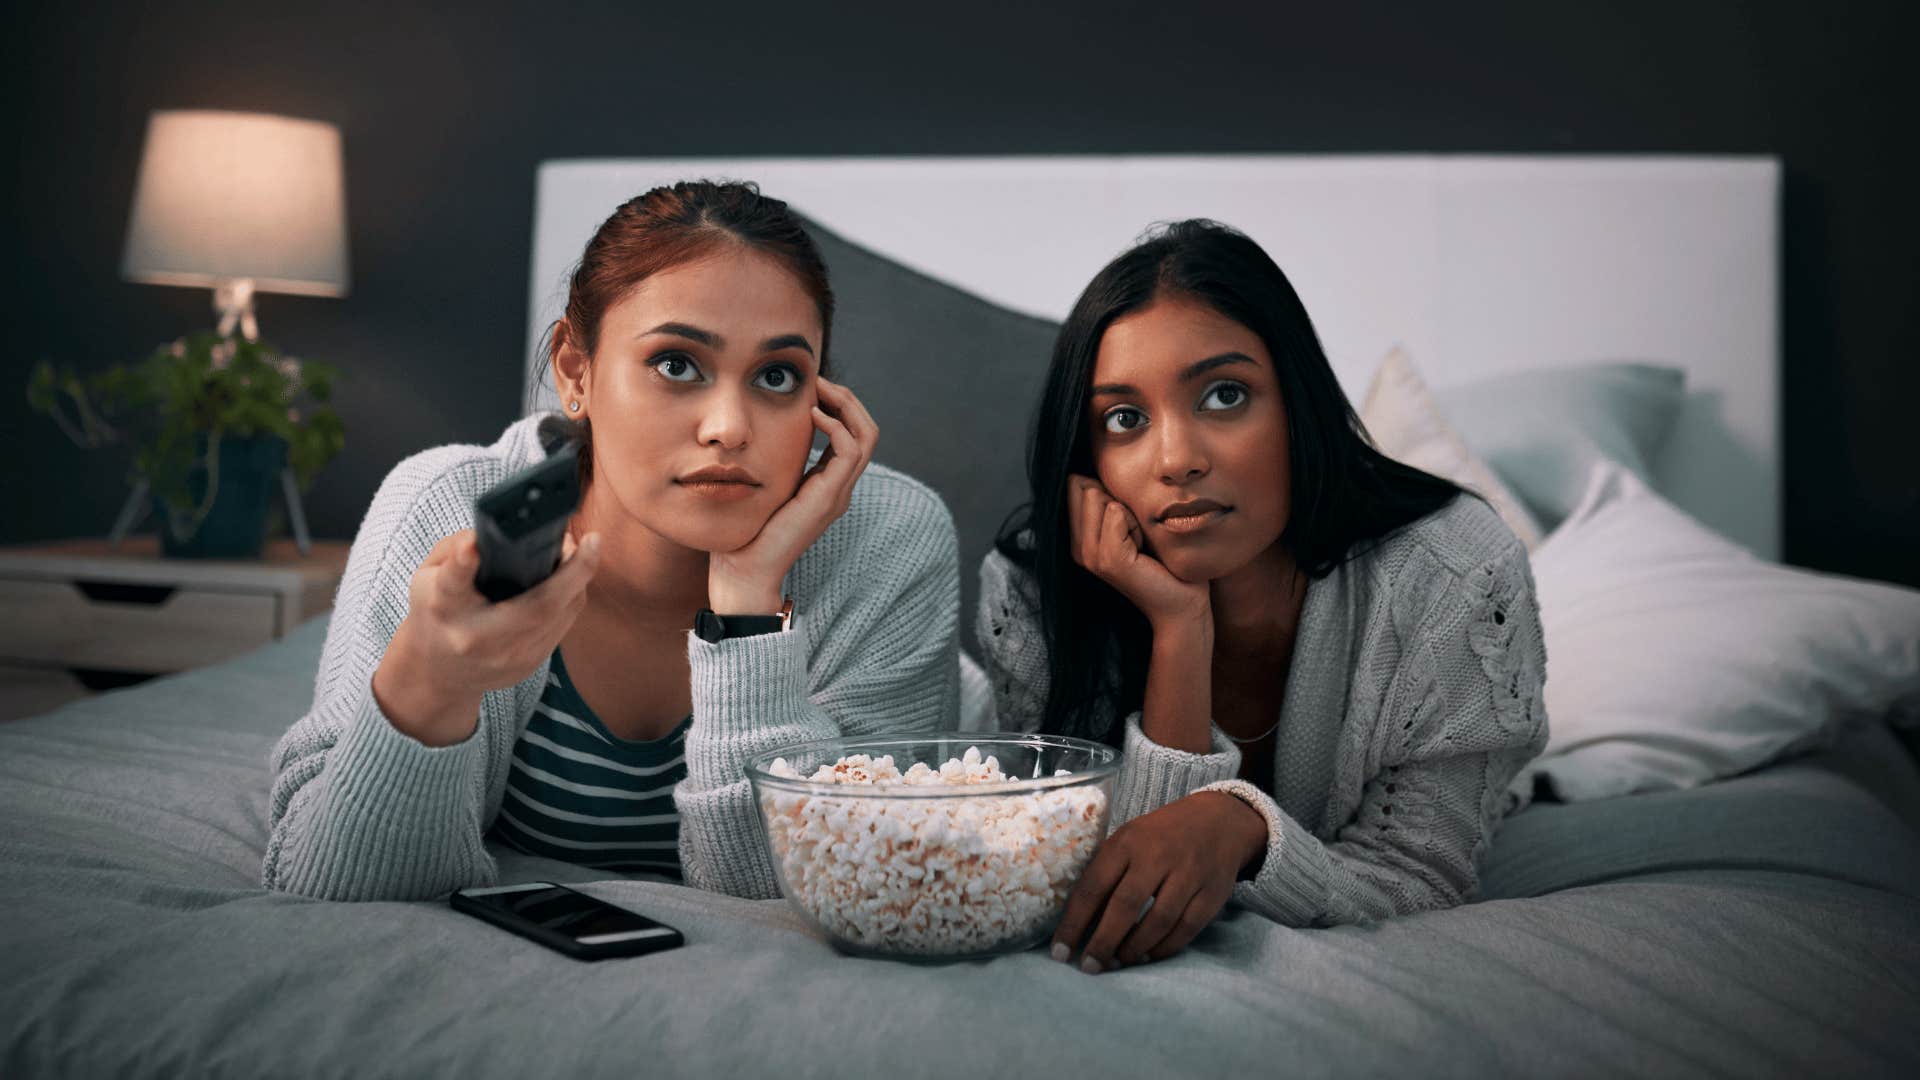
x,y
1151,775
1291,885
723,847
401,819
738,681
749,698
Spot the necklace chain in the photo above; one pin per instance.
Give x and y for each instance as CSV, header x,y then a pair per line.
x,y
1296,584
1236,740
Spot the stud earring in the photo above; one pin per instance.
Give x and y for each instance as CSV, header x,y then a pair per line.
x,y
573,406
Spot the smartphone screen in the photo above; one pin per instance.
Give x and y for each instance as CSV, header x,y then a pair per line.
x,y
546,912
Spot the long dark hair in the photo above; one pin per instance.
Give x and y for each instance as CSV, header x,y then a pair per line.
x,y
659,230
1346,495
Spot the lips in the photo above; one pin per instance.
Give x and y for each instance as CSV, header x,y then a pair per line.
x,y
719,483
1190,508
1191,516
719,474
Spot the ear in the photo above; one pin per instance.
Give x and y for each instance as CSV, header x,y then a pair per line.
x,y
571,371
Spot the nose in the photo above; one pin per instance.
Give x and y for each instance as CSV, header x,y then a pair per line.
x,y
726,422
1179,455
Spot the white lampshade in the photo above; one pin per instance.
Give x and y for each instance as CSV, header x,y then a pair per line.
x,y
228,196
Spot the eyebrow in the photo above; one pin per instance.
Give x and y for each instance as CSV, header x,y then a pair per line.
x,y
682,330
715,341
786,341
1191,372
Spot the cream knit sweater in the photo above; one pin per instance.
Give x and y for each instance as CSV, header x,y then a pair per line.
x,y
360,811
1413,697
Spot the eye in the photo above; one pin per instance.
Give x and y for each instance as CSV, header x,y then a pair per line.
x,y
676,367
1122,419
1223,395
779,378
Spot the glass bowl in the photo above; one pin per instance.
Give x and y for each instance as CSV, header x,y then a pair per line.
x,y
944,870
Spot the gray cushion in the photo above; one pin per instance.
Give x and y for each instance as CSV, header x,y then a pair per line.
x,y
952,380
1543,431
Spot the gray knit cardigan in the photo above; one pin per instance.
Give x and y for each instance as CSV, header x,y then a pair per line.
x,y
360,811
1413,698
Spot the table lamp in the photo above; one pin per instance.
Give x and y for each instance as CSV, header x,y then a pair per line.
x,y
240,203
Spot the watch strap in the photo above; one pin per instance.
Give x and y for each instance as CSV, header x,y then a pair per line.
x,y
712,626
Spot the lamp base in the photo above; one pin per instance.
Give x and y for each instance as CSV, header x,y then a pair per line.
x,y
233,299
138,506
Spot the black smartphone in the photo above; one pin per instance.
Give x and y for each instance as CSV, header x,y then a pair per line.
x,y
521,524
572,922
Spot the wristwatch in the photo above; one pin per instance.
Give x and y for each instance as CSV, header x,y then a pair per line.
x,y
711,627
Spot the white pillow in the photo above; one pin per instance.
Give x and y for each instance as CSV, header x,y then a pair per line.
x,y
1407,425
1675,658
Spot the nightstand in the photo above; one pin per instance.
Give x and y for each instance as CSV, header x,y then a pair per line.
x,y
81,616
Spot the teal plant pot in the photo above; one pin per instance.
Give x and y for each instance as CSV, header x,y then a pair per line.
x,y
236,525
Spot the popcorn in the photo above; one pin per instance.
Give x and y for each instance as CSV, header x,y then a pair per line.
x,y
931,876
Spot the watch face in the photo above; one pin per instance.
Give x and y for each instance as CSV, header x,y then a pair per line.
x,y
708,626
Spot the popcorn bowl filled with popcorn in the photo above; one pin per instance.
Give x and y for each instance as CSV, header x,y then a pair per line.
x,y
941,846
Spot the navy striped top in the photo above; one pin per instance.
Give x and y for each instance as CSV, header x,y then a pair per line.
x,y
578,792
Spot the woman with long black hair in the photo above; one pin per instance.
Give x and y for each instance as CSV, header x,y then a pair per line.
x,y
1324,667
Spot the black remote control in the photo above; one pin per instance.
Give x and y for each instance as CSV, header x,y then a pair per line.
x,y
521,524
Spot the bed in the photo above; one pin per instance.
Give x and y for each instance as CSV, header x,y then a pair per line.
x,y
1767,923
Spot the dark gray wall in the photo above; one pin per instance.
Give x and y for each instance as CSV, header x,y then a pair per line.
x,y
445,117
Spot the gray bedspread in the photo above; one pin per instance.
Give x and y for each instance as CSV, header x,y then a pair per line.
x,y
1768,925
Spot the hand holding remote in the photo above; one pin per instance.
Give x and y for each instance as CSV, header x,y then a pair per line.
x,y
455,644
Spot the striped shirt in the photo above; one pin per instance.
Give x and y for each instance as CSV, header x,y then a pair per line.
x,y
578,792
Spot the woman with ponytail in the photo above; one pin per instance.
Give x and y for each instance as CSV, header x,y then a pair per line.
x,y
584,720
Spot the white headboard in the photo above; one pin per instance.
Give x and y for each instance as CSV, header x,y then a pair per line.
x,y
1477,265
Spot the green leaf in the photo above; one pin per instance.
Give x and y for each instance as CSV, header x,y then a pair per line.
x,y
168,404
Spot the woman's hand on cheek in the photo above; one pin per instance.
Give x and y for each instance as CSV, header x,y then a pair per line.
x,y
747,581
1109,543
1184,857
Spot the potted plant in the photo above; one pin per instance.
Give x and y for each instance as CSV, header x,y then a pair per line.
x,y
212,421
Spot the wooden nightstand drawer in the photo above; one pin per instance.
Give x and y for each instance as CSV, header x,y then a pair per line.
x,y
130,627
85,606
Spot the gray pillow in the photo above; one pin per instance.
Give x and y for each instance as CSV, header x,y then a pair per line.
x,y
951,379
1543,431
